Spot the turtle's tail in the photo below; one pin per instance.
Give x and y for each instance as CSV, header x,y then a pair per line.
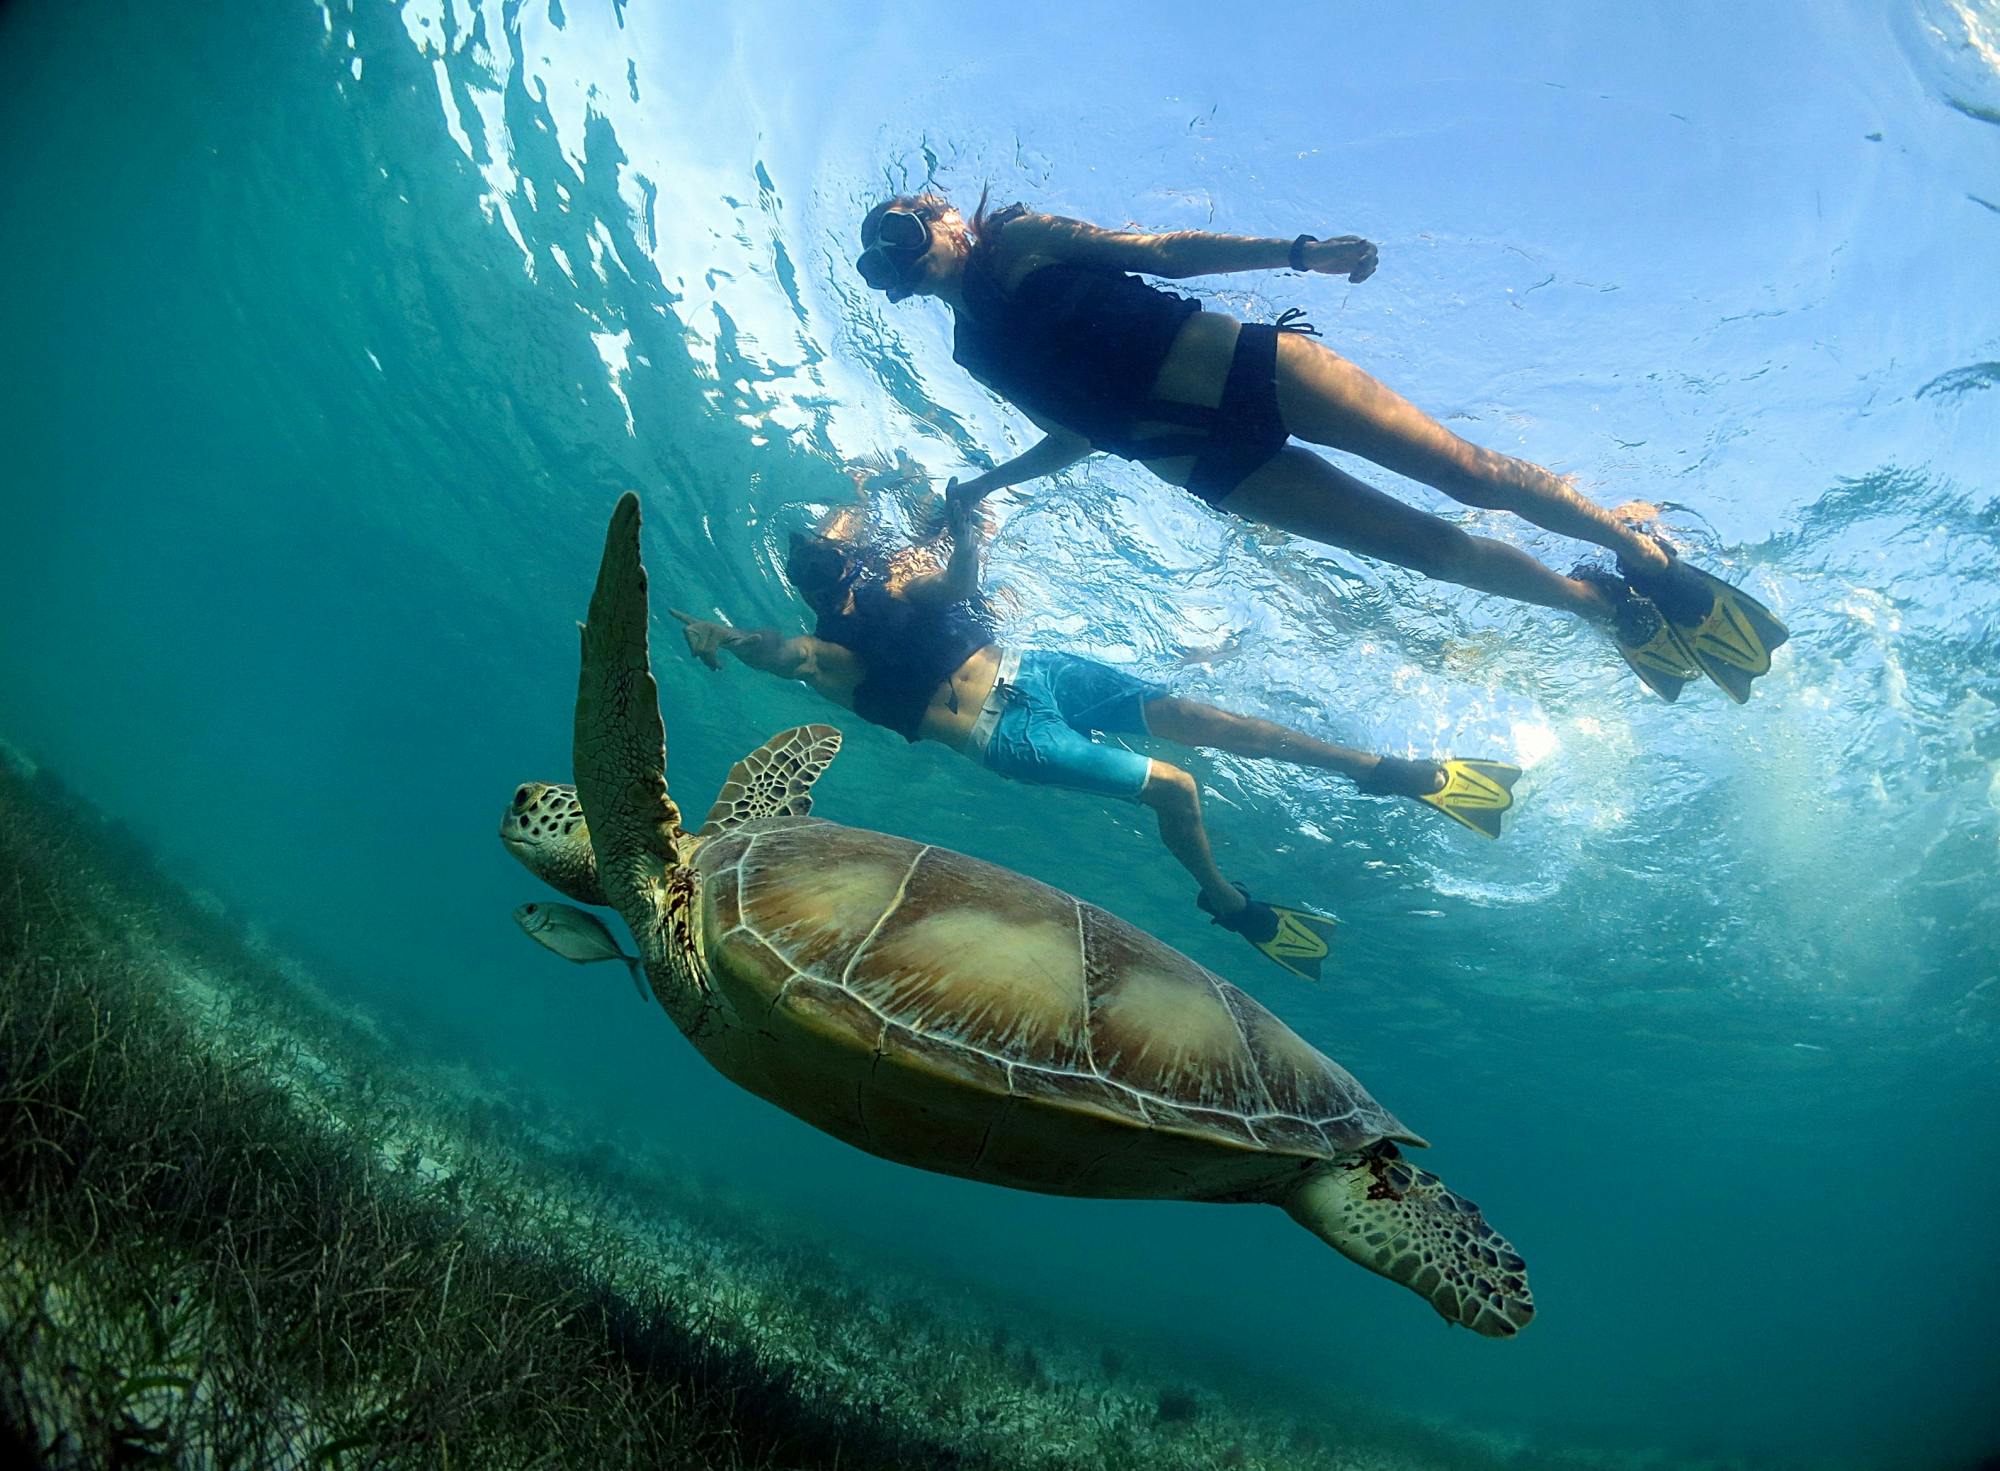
x,y
1380,1210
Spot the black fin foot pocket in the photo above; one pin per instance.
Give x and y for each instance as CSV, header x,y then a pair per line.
x,y
1646,639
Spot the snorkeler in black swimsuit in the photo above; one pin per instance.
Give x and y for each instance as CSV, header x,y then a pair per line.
x,y
1049,314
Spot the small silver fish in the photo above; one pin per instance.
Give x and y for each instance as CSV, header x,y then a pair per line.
x,y
578,935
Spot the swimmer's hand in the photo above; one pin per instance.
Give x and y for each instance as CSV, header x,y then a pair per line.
x,y
1343,255
705,638
961,515
965,492
960,501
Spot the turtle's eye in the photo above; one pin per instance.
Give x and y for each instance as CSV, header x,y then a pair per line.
x,y
531,909
520,798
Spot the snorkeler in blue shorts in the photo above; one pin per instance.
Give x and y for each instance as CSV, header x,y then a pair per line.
x,y
908,644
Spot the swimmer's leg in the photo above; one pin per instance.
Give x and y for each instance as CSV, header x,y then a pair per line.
x,y
1299,492
1327,400
1295,938
1034,743
1192,723
1176,801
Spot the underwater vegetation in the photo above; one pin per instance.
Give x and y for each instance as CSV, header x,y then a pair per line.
x,y
241,1229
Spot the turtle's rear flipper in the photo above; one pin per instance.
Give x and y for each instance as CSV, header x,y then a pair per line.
x,y
638,969
1382,1211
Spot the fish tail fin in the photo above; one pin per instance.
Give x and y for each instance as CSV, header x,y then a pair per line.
x,y
638,968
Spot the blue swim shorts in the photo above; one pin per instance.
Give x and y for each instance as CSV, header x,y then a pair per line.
x,y
1038,721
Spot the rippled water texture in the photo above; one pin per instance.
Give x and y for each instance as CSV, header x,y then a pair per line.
x,y
330,332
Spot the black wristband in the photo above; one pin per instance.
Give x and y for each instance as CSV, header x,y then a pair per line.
x,y
1299,245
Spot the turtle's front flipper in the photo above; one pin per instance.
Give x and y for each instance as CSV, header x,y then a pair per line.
x,y
775,780
1382,1211
620,744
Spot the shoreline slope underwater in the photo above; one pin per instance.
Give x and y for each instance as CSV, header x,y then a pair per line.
x,y
244,1228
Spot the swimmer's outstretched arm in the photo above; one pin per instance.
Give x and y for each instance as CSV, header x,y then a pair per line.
x,y
1058,450
829,668
1183,252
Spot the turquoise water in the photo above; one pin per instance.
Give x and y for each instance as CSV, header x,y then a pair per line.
x,y
329,335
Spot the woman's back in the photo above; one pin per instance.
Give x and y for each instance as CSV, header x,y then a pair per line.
x,y
1076,344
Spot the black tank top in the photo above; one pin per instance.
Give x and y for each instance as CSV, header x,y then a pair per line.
x,y
1078,345
906,650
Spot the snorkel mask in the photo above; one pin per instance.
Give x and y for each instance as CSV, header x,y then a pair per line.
x,y
889,264
821,569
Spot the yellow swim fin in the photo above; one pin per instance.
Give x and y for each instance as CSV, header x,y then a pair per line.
x,y
1729,633
1301,941
1296,939
1475,793
1647,641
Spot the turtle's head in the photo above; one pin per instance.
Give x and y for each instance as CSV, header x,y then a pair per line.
x,y
543,827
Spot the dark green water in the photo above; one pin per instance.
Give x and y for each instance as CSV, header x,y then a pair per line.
x,y
323,356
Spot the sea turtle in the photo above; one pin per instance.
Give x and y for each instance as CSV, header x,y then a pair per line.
x,y
949,1014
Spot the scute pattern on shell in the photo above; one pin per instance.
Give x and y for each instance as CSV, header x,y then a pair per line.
x,y
1063,1002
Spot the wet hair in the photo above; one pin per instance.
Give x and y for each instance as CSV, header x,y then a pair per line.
x,y
815,563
